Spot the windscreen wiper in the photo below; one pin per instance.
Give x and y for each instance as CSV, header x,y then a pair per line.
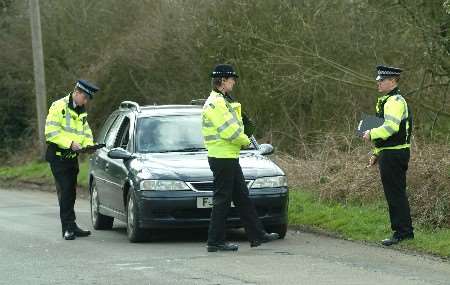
x,y
188,149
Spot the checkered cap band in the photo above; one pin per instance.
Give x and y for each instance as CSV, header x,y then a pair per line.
x,y
89,92
224,72
388,72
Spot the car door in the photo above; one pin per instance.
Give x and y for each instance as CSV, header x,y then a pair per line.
x,y
116,171
105,186
97,161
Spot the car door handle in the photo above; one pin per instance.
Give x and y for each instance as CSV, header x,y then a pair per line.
x,y
107,165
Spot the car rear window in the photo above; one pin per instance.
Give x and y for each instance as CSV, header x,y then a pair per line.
x,y
169,134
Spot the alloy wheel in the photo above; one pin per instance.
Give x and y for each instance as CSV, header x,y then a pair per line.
x,y
94,205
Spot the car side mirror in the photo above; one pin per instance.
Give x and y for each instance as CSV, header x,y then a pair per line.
x,y
120,153
265,149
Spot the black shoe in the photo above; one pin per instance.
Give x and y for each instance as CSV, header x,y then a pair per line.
x,y
69,235
396,238
222,247
81,233
267,237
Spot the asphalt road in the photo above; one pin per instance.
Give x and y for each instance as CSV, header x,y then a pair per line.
x,y
33,252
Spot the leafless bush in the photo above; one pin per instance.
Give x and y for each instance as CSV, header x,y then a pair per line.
x,y
429,185
342,176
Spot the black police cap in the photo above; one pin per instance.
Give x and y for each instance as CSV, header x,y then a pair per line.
x,y
87,87
384,71
223,70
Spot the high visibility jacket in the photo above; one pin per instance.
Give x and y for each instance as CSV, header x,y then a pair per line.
x,y
395,133
64,126
222,127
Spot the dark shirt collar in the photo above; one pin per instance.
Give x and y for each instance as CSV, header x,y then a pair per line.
x,y
77,109
394,91
218,91
227,96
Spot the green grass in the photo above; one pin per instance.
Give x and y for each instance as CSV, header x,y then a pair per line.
x,y
368,223
83,175
38,172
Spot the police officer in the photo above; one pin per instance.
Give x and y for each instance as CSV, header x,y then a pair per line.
x,y
224,136
392,151
67,131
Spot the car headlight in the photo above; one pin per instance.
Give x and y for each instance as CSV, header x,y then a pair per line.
x,y
163,185
270,182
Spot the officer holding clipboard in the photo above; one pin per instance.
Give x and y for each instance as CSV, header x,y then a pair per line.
x,y
67,134
391,134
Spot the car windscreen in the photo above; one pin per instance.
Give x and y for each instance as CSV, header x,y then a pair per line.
x,y
169,133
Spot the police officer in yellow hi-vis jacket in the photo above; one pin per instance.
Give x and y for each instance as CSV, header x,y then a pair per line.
x,y
67,131
392,145
223,133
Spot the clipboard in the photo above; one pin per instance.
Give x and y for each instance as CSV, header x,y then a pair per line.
x,y
368,122
91,148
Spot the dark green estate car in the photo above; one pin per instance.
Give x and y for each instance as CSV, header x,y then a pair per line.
x,y
153,173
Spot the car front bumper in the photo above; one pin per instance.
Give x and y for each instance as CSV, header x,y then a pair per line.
x,y
178,209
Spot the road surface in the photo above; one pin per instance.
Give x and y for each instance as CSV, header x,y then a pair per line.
x,y
33,252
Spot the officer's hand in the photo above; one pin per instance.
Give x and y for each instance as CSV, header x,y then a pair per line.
x,y
372,160
75,146
246,146
366,136
91,150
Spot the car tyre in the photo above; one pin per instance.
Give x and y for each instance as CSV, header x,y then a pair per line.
x,y
134,232
99,221
280,229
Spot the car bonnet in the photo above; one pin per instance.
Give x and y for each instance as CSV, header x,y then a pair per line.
x,y
194,166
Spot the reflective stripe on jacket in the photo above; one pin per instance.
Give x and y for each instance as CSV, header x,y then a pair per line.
x,y
64,125
395,133
222,127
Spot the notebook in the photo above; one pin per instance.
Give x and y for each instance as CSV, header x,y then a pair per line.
x,y
368,122
91,148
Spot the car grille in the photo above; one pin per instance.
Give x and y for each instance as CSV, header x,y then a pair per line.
x,y
206,213
202,186
201,213
207,186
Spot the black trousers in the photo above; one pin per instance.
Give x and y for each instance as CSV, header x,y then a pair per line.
x,y
65,173
230,186
393,165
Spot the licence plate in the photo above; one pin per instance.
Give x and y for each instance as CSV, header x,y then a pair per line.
x,y
206,202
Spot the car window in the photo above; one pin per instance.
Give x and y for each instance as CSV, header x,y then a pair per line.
x,y
169,133
112,133
123,134
106,127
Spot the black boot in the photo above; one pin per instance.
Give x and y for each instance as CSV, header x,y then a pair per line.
x,y
69,235
267,237
396,238
222,247
81,233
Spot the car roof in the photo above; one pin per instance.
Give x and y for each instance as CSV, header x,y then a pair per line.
x,y
164,110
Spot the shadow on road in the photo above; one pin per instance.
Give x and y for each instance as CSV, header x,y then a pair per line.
x,y
181,235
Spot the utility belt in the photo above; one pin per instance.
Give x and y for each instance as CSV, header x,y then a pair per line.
x,y
55,152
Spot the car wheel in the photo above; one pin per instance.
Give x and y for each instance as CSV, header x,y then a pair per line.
x,y
280,229
99,221
134,232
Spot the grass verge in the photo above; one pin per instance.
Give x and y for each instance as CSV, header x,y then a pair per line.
x,y
368,223
38,172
